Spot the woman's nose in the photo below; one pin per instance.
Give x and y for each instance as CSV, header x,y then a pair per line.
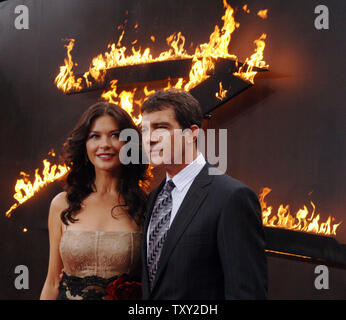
x,y
104,142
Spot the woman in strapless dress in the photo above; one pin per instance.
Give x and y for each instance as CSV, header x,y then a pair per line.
x,y
95,224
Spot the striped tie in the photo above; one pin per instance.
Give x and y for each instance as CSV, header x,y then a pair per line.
x,y
159,225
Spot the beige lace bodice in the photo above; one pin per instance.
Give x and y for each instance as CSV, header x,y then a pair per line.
x,y
100,253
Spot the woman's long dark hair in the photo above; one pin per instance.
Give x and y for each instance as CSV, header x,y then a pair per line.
x,y
80,179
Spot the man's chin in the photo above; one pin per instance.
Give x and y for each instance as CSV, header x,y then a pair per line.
x,y
158,162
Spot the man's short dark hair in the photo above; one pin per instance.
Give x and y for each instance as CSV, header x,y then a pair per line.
x,y
186,108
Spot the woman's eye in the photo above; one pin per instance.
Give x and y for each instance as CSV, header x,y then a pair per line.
x,y
93,136
115,135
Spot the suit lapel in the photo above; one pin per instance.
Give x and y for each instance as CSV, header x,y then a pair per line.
x,y
186,212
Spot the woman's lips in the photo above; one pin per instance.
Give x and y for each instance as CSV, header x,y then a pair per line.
x,y
106,156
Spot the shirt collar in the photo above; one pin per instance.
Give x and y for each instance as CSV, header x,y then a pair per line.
x,y
183,177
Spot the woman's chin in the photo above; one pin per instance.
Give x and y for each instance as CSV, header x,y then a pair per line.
x,y
111,166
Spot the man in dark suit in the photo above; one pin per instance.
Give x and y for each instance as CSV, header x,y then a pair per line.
x,y
203,234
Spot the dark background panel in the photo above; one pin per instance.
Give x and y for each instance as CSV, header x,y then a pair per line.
x,y
286,132
294,127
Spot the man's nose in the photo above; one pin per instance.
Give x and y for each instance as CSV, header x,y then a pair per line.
x,y
149,138
155,137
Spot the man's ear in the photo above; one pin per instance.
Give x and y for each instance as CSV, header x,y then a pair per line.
x,y
191,133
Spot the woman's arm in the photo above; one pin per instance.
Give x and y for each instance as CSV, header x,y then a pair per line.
x,y
51,285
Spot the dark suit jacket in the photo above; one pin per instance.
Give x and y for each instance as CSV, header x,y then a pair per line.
x,y
214,248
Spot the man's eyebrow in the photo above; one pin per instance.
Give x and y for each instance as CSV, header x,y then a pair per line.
x,y
156,124
161,123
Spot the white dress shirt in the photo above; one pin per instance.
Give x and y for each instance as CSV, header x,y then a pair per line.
x,y
183,181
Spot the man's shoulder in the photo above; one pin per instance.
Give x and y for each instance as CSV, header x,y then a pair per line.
x,y
227,185
228,182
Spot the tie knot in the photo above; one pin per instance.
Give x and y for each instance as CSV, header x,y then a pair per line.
x,y
169,186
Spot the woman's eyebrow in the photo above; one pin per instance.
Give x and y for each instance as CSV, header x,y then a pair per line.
x,y
113,130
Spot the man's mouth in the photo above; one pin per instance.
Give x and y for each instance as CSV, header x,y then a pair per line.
x,y
155,152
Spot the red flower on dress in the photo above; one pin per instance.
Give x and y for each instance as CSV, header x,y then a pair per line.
x,y
123,289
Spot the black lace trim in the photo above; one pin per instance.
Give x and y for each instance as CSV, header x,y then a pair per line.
x,y
86,288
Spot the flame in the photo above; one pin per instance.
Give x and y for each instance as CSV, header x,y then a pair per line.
x,y
263,14
221,94
256,60
65,80
117,57
246,9
301,221
203,59
148,92
125,99
145,185
25,189
206,54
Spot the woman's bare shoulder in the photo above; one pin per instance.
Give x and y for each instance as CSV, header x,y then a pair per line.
x,y
57,205
60,201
